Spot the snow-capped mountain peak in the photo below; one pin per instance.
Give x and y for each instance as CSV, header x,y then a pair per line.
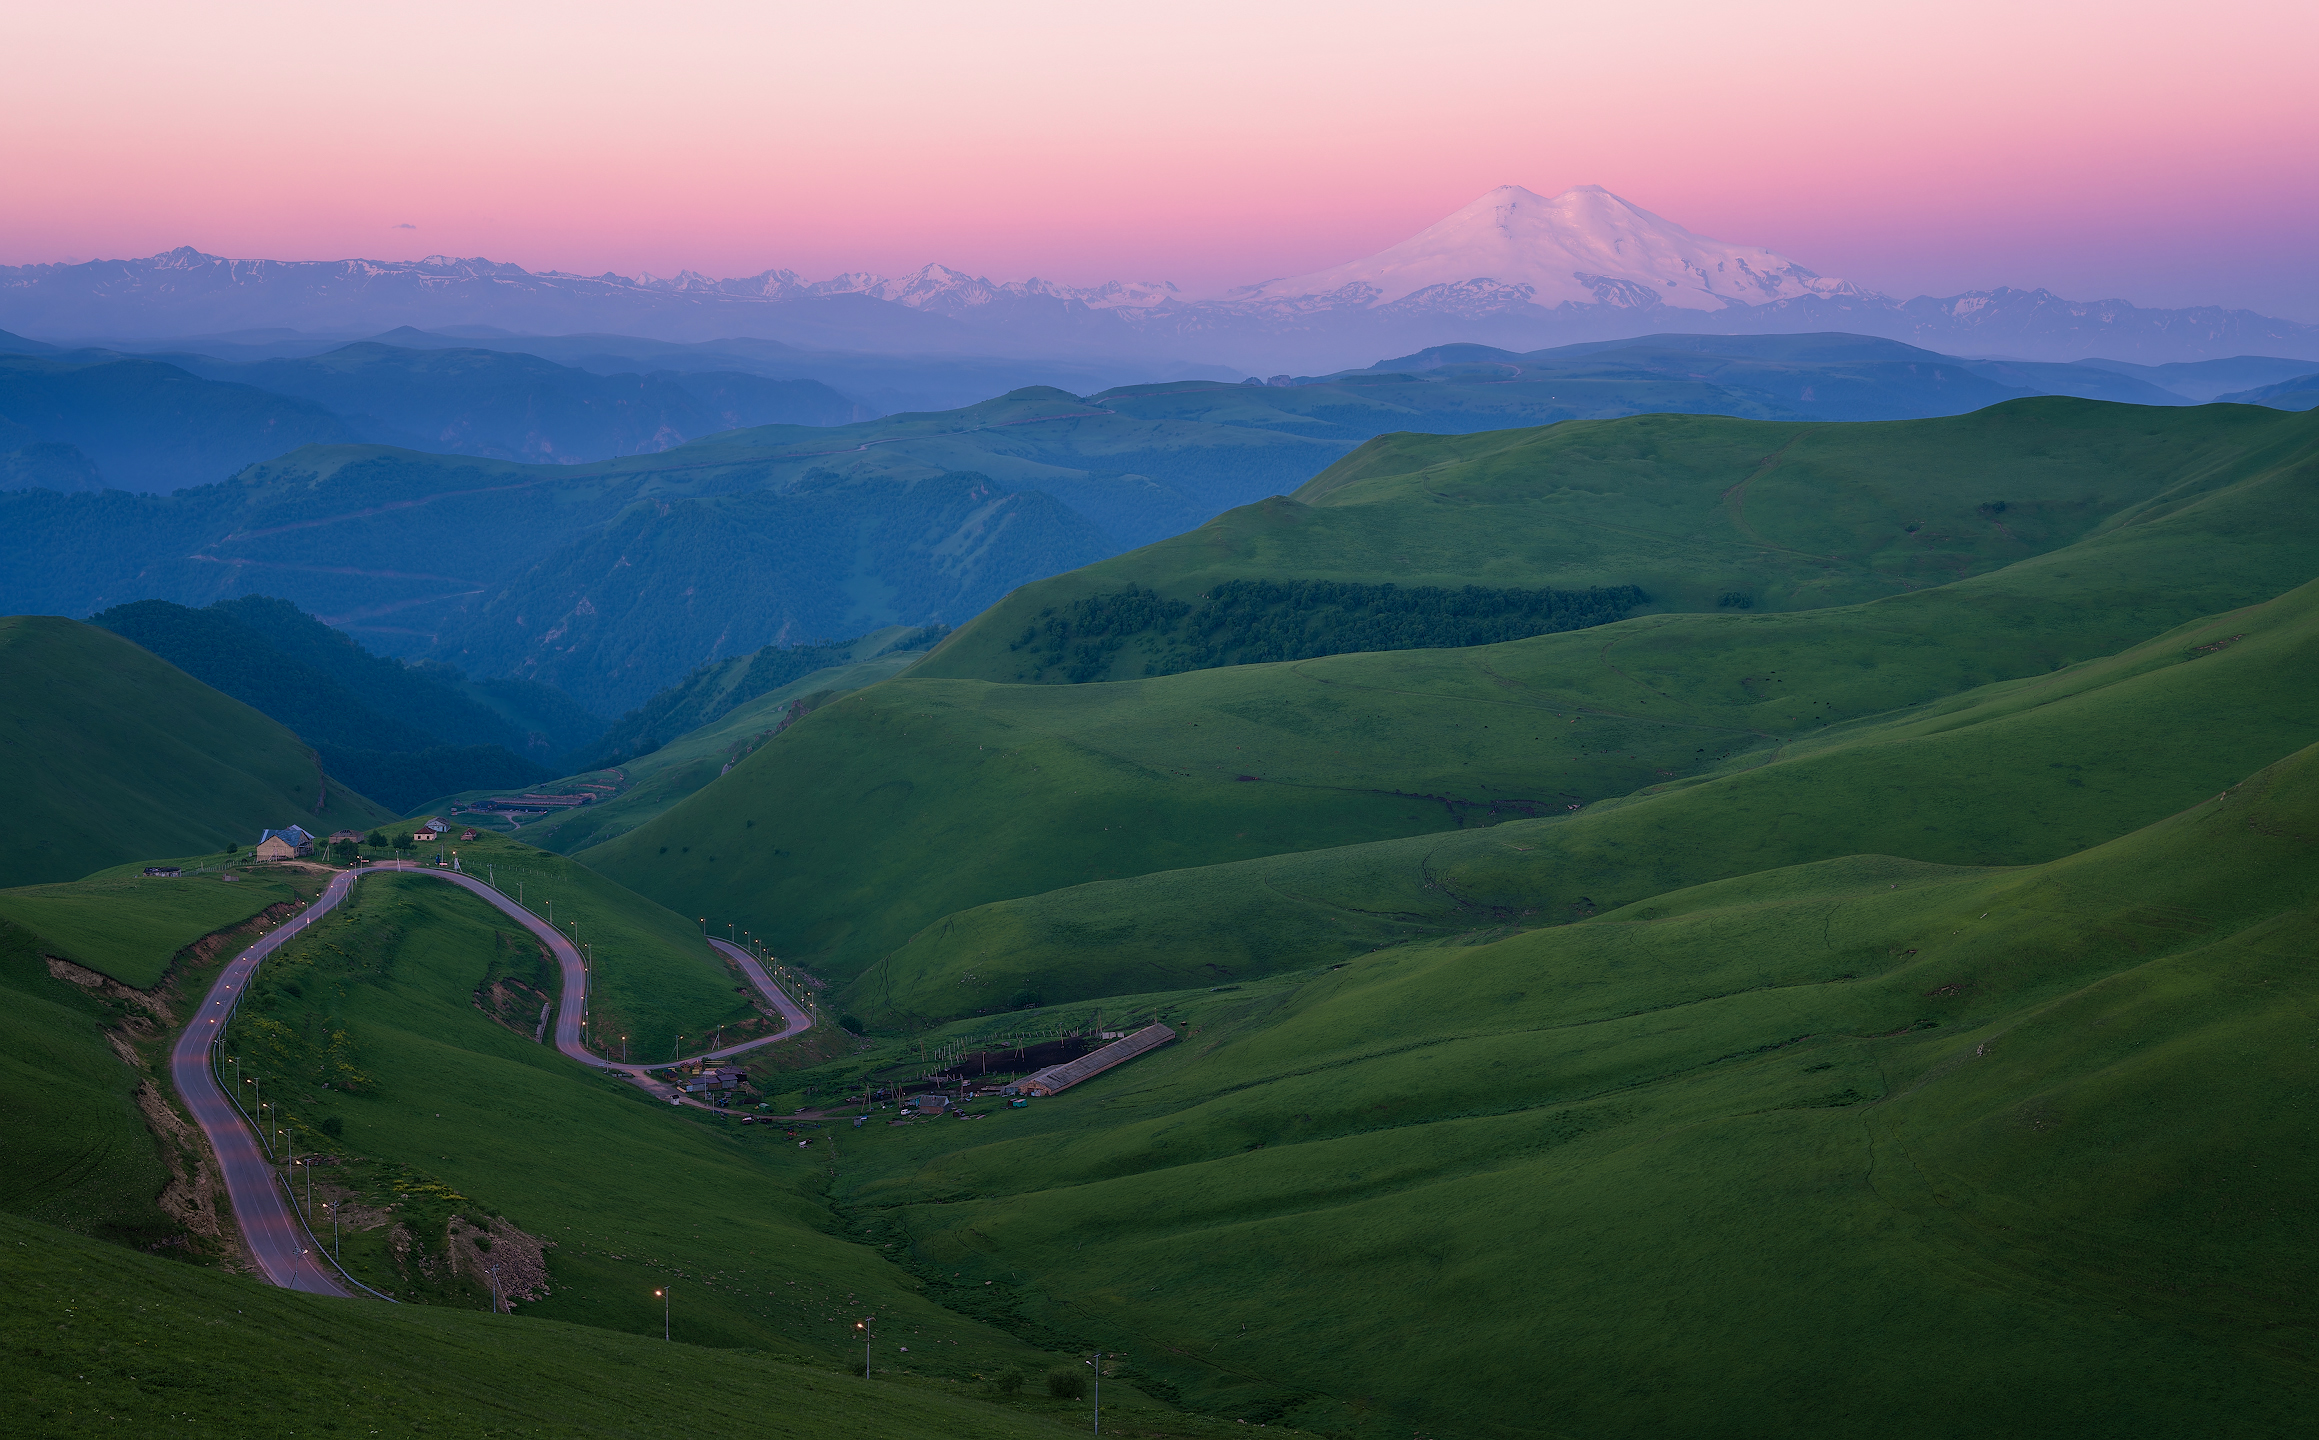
x,y
1585,246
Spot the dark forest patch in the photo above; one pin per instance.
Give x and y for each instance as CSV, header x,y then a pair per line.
x,y
1249,622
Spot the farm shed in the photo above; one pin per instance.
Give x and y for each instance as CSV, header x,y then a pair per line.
x,y
1058,1078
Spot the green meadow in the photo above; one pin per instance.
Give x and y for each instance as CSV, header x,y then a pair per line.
x,y
650,784
1864,1145
2016,772
131,926
900,807
121,756
100,1338
1697,508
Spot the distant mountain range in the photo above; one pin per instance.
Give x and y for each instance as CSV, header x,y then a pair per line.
x,y
1513,269
89,419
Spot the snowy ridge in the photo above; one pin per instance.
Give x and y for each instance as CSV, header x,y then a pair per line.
x,y
1583,247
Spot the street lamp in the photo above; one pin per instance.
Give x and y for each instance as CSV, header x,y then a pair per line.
x,y
862,1326
662,1292
1096,1365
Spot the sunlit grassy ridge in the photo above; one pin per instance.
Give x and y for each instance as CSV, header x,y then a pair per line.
x,y
1680,1167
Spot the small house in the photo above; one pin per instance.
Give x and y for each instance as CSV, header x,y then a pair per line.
x,y
468,834
274,847
166,872
346,837
437,826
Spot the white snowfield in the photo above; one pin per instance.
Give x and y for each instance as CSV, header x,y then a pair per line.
x,y
1584,247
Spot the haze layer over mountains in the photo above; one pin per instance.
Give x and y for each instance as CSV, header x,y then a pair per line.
x,y
1513,269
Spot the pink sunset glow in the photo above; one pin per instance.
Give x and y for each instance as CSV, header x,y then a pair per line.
x,y
2132,149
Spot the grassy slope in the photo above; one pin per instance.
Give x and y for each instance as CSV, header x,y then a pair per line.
x,y
654,977
893,808
129,927
102,1338
80,1153
688,763
117,754
1691,508
1864,1146
2009,773
632,1193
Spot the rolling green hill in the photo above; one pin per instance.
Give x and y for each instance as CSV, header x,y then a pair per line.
x,y
724,717
883,813
129,926
378,750
1867,1145
1702,513
115,755
2010,773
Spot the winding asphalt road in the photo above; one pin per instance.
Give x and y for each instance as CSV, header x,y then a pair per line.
x,y
278,1242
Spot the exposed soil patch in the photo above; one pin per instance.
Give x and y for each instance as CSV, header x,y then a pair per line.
x,y
497,1254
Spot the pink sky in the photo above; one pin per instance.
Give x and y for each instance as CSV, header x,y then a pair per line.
x,y
2161,153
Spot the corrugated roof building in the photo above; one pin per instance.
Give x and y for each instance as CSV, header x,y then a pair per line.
x,y
1057,1078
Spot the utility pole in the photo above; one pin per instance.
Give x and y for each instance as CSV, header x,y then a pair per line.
x,y
1097,1365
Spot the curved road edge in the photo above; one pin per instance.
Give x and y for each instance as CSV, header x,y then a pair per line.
x,y
275,1235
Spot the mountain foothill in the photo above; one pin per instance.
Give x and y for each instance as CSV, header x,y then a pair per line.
x,y
1734,877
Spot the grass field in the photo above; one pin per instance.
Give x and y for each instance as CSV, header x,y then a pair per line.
x,y
657,781
1862,1146
2017,772
129,927
99,1338
1696,508
119,755
887,811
